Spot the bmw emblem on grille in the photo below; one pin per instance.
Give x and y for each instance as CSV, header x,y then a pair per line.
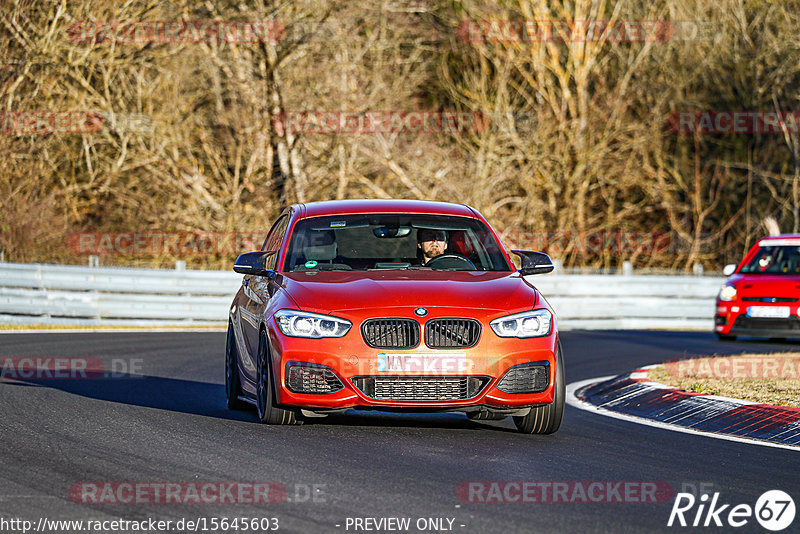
x,y
420,312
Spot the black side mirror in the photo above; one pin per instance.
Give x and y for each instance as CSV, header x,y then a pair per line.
x,y
254,263
534,262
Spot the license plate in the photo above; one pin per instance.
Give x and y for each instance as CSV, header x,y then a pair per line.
x,y
422,362
772,312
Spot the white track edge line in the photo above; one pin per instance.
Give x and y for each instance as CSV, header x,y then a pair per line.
x,y
575,402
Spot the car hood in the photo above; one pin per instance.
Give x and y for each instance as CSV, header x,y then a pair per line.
x,y
766,285
328,292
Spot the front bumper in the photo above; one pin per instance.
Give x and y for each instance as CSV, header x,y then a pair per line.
x,y
362,376
732,319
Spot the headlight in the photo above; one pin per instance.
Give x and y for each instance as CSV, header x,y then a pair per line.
x,y
296,323
727,293
534,323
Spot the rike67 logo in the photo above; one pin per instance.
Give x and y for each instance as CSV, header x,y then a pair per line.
x,y
774,510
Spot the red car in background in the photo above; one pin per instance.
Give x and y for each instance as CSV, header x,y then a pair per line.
x,y
762,295
342,308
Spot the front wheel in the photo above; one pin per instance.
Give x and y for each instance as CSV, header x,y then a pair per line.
x,y
268,412
726,337
547,419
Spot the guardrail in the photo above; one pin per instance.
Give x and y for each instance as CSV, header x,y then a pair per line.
x,y
58,294
631,301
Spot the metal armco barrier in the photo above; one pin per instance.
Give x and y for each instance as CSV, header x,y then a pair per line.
x,y
57,294
631,301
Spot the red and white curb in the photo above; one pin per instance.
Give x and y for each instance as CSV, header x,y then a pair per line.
x,y
633,397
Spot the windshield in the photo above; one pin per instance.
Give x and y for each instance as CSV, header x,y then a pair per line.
x,y
774,260
393,241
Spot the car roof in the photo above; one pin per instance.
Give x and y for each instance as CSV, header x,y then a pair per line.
x,y
782,239
379,205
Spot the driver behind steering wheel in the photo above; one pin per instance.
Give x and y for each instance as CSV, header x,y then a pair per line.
x,y
430,244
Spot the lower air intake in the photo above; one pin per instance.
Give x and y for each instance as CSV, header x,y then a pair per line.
x,y
526,378
311,378
789,325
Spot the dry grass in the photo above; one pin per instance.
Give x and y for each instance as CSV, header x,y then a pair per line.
x,y
743,377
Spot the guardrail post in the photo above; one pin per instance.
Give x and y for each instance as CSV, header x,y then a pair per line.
x,y
2,256
180,265
94,261
627,268
698,269
558,266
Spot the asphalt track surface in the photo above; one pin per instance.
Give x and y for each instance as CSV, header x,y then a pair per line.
x,y
171,425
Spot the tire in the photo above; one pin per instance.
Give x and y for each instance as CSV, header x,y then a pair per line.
x,y
233,387
268,412
726,337
547,419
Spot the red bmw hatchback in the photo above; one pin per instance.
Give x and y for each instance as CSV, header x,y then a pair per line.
x,y
761,296
392,305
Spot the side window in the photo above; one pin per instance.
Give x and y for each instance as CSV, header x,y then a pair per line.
x,y
274,240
